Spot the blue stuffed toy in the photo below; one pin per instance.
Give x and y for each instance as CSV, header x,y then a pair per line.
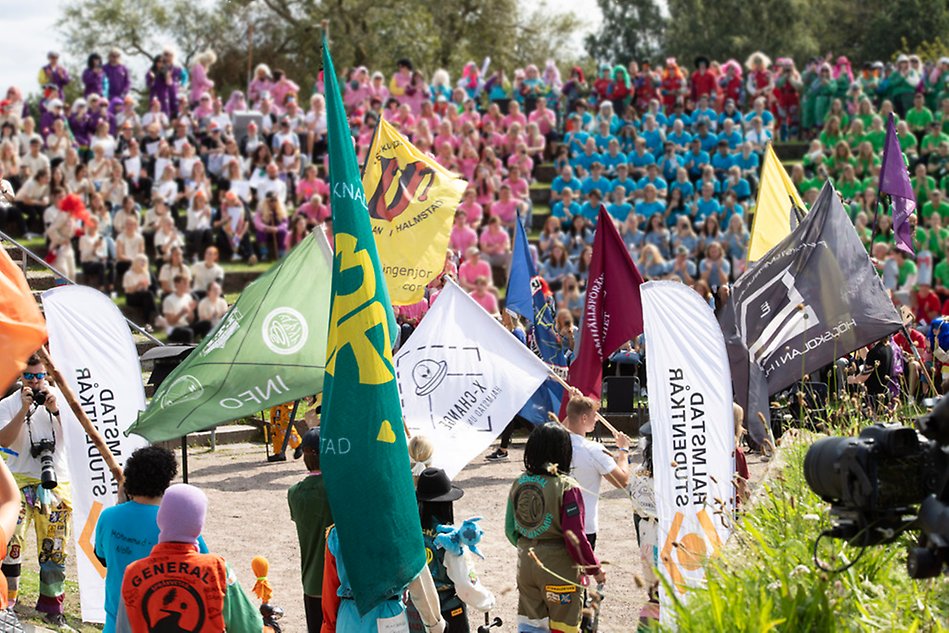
x,y
454,539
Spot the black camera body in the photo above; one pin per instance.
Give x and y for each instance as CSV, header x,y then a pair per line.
x,y
44,449
39,397
889,479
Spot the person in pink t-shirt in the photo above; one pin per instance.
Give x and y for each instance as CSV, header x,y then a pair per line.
x,y
484,295
472,268
507,207
520,187
496,244
514,115
474,212
544,117
310,184
413,313
463,236
315,211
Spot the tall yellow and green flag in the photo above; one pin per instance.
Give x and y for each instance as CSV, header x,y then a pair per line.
x,y
412,201
777,198
364,456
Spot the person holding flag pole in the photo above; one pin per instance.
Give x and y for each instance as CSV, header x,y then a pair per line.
x,y
363,451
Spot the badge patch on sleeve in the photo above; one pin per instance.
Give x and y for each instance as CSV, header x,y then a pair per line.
x,y
572,509
559,594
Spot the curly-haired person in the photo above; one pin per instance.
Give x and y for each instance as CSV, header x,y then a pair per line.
x,y
127,532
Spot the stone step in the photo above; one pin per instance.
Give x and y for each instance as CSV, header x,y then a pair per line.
x,y
227,434
545,172
540,195
790,150
237,280
40,279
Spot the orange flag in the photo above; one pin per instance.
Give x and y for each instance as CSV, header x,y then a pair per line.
x,y
22,327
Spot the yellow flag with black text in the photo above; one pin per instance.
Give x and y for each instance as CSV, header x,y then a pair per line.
x,y
777,197
412,201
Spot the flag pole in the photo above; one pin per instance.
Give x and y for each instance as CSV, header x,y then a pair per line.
x,y
563,383
87,425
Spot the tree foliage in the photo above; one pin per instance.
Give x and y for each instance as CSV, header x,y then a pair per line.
x,y
631,30
285,33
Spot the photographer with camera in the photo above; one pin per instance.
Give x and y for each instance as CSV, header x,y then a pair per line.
x,y
30,427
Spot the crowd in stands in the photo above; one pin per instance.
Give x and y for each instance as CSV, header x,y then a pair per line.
x,y
173,172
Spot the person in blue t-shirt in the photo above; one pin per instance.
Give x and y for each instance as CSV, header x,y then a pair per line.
x,y
679,138
734,183
731,208
588,156
705,114
721,160
640,158
623,180
603,136
618,207
732,135
653,136
596,180
708,138
653,178
696,159
650,205
576,138
669,162
707,205
564,180
747,160
591,208
566,207
729,112
613,158
682,184
679,114
127,532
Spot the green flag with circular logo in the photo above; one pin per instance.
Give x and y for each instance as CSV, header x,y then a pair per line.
x,y
269,348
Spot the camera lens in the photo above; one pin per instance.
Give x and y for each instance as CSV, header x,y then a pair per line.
x,y
820,467
39,397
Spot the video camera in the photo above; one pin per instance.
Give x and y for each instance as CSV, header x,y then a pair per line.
x,y
875,482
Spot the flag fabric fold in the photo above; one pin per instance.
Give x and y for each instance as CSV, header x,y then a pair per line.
x,y
22,327
895,182
412,201
777,198
612,313
462,377
519,297
364,456
269,348
813,298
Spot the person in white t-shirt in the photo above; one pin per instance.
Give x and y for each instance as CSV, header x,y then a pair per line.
x,y
178,311
592,461
207,271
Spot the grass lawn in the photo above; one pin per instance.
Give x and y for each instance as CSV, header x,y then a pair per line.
x,y
29,589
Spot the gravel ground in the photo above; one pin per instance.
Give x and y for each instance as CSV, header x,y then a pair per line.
x,y
249,516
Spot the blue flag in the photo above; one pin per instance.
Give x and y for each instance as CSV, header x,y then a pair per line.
x,y
518,298
528,296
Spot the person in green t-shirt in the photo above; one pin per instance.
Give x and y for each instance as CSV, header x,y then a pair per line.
x,y
931,141
848,185
922,182
919,117
906,278
310,510
908,142
936,204
941,274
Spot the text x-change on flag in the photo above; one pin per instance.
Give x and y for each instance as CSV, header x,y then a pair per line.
x,y
93,348
364,455
462,377
813,298
412,201
693,433
269,348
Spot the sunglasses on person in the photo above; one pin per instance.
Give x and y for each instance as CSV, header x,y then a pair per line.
x,y
27,375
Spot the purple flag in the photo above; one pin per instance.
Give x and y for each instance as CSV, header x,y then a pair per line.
x,y
894,180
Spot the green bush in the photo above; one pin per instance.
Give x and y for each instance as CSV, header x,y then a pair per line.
x,y
766,579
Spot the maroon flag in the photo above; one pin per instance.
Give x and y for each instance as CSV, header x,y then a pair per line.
x,y
613,313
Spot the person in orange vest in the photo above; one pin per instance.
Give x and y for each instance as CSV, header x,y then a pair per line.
x,y
176,588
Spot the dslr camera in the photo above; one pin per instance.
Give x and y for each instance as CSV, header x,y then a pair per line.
x,y
39,397
44,450
889,479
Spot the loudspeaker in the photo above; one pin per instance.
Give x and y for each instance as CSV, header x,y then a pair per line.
x,y
620,393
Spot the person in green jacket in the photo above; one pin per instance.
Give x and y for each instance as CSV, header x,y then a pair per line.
x,y
823,89
900,85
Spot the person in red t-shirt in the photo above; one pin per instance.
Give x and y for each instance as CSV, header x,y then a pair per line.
x,y
926,305
703,81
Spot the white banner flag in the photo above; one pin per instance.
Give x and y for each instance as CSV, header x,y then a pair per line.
x,y
92,347
462,377
693,432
